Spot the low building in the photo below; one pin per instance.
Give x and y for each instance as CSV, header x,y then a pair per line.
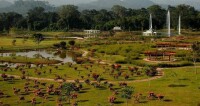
x,y
149,32
117,28
92,33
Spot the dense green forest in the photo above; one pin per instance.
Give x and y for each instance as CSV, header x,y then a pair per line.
x,y
68,17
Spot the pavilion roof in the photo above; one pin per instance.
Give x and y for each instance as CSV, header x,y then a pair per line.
x,y
159,53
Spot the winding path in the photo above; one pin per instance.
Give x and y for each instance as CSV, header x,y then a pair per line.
x,y
85,53
160,75
160,72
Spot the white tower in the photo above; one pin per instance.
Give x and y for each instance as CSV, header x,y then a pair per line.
x,y
168,24
179,25
150,23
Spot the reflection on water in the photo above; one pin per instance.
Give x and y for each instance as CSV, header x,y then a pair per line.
x,y
57,55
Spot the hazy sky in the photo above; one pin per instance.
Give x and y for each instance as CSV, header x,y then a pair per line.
x,y
60,2
174,1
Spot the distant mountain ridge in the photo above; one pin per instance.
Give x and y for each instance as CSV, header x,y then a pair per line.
x,y
22,6
108,4
194,3
4,3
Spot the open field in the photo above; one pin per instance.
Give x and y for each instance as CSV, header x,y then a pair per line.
x,y
180,86
104,65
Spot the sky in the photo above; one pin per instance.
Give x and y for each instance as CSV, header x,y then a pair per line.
x,y
171,2
174,1
59,2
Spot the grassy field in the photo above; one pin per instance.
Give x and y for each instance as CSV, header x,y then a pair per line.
x,y
71,73
179,86
30,44
6,44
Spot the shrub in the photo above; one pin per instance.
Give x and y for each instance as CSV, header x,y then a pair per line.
x,y
150,71
121,62
38,37
163,65
13,42
80,60
61,45
72,42
175,65
102,51
56,45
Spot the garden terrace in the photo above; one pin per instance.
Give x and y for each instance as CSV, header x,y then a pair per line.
x,y
159,55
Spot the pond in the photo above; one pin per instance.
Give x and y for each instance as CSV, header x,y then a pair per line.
x,y
47,54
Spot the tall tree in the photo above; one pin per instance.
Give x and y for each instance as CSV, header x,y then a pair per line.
x,y
158,15
188,16
10,20
70,15
36,18
119,11
87,17
38,38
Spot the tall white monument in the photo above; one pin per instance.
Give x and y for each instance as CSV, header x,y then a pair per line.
x,y
150,23
179,25
168,24
150,32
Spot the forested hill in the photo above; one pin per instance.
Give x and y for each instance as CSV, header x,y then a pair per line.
x,y
107,4
22,7
4,3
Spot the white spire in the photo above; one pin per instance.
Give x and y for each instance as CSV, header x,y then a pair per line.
x,y
150,23
168,23
179,25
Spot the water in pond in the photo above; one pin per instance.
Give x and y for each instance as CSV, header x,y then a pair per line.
x,y
56,55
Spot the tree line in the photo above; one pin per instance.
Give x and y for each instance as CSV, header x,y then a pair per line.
x,y
69,18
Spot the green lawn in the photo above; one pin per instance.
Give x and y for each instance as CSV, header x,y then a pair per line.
x,y
184,93
179,86
186,90
6,44
70,73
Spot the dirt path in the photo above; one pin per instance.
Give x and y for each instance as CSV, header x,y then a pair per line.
x,y
161,74
85,53
103,62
